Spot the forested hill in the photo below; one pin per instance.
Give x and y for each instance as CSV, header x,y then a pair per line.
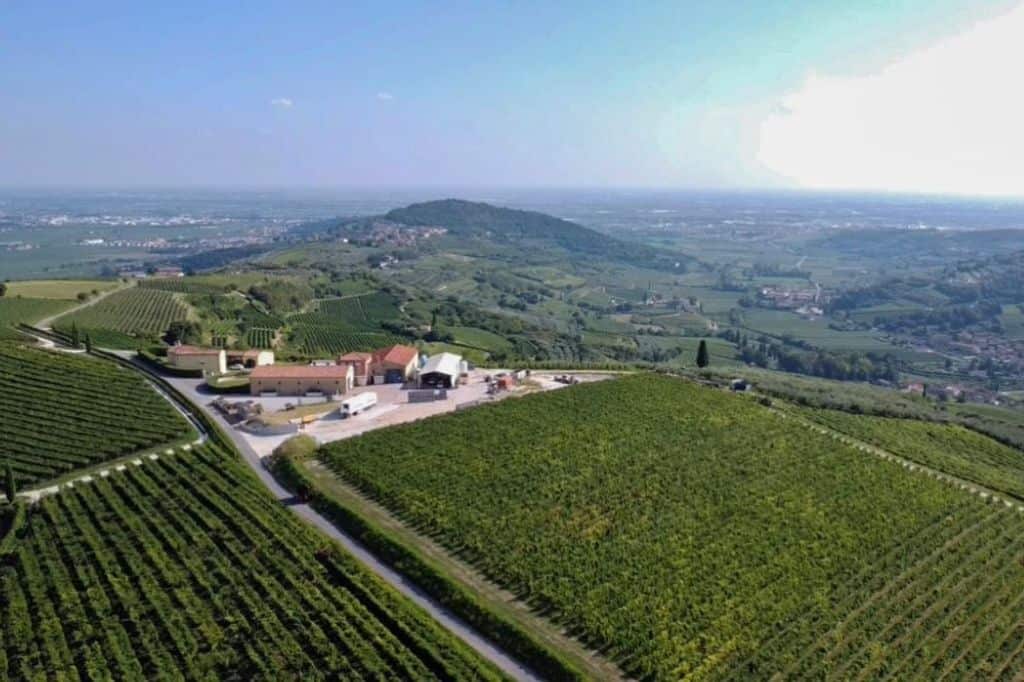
x,y
473,219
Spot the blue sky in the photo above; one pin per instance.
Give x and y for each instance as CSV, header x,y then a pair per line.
x,y
666,94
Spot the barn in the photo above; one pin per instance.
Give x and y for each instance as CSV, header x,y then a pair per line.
x,y
441,371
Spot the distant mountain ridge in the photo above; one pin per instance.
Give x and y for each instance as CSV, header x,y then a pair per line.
x,y
477,219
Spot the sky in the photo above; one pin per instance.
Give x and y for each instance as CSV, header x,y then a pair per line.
x,y
893,95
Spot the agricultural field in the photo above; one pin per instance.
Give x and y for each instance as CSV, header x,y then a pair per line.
x,y
480,339
260,337
134,313
61,289
343,325
60,412
947,447
684,531
15,311
313,340
184,568
180,285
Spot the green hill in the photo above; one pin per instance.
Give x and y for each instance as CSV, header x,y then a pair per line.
x,y
475,219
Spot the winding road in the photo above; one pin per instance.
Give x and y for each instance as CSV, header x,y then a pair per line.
x,y
447,619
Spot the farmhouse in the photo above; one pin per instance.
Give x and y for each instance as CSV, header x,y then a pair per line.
x,y
206,360
360,363
441,371
300,380
251,358
394,365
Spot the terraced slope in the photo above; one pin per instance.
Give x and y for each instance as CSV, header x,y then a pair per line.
x,y
184,568
60,412
684,531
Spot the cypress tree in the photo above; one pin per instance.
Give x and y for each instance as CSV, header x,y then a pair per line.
x,y
702,354
75,340
88,342
11,489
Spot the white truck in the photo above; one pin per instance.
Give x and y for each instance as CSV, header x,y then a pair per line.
x,y
358,403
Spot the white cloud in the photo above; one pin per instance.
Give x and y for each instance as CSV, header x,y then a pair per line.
x,y
282,102
947,119
385,96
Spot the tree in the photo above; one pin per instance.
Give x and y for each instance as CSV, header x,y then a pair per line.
x,y
76,340
702,354
88,343
3,289
11,489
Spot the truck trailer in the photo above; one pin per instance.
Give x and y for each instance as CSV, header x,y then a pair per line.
x,y
357,404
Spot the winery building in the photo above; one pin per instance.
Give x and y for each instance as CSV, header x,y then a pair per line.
x,y
361,364
394,365
205,360
299,380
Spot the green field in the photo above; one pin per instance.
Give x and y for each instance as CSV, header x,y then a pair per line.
x,y
66,289
343,325
947,447
130,315
260,337
15,311
480,339
60,412
184,568
313,340
684,531
1013,321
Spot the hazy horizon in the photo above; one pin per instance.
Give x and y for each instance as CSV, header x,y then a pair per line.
x,y
788,96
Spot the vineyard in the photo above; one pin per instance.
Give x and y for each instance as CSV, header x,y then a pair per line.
x,y
183,568
312,340
180,285
684,531
345,325
260,337
60,412
355,313
946,447
15,311
135,312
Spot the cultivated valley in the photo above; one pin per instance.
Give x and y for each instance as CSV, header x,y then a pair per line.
x,y
459,441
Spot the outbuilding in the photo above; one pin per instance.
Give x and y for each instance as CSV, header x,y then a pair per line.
x,y
441,371
251,358
394,365
360,363
300,380
205,360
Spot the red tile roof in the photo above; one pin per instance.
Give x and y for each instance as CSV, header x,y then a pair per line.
x,y
192,350
399,355
299,372
354,357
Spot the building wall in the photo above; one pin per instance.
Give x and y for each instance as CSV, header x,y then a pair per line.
x,y
299,386
208,364
408,370
266,357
